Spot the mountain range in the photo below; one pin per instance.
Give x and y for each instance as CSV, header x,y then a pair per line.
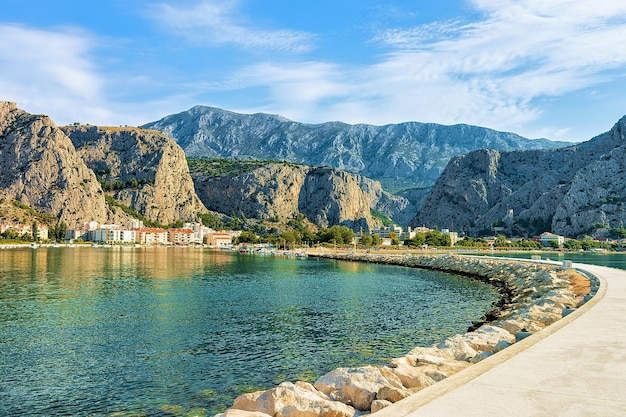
x,y
572,191
79,173
112,174
400,156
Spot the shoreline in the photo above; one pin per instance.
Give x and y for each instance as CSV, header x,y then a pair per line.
x,y
533,296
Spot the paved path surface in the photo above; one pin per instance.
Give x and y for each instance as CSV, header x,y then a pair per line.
x,y
575,367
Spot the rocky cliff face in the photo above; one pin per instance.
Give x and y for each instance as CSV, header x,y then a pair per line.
x,y
564,190
145,170
280,190
415,153
40,167
60,170
401,207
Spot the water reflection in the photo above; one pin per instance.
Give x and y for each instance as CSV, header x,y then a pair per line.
x,y
92,331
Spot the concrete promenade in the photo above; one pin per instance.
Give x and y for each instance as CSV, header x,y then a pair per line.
x,y
576,367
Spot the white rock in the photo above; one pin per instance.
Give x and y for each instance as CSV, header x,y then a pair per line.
x,y
242,413
357,386
293,400
486,337
421,375
378,405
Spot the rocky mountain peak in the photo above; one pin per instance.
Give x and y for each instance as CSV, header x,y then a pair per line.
x,y
143,169
39,167
281,190
412,152
570,191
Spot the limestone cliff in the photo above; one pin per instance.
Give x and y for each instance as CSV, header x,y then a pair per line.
x,y
40,167
569,191
277,191
400,207
144,170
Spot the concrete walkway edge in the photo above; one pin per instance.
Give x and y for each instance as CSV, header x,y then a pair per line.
x,y
408,406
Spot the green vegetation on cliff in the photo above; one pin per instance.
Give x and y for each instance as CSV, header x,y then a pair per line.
x,y
218,167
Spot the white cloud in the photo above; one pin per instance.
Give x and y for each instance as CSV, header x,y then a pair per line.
x,y
212,22
50,72
491,72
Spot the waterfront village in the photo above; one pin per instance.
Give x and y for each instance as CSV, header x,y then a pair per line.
x,y
134,233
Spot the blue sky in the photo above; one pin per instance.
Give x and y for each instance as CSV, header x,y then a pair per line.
x,y
554,69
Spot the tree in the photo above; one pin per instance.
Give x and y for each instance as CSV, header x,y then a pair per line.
x,y
572,244
394,238
501,241
554,245
366,240
35,232
246,237
57,232
417,241
336,234
291,236
211,221
234,223
436,238
376,240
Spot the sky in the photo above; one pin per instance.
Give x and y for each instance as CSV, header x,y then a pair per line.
x,y
553,69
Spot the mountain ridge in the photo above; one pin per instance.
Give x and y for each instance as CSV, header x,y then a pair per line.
x,y
411,150
572,191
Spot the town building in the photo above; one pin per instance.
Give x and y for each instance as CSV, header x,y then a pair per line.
x,y
548,238
177,236
26,230
151,236
384,231
219,239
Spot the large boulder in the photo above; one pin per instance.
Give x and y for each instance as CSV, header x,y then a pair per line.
x,y
293,400
378,405
486,337
419,375
242,413
455,347
361,386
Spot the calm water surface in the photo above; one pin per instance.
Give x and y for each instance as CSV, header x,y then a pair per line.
x,y
610,259
93,331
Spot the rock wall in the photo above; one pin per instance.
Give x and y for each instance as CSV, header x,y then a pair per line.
x,y
533,297
565,191
148,169
280,190
40,167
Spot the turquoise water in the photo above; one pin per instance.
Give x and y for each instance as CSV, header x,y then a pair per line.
x,y
610,259
158,332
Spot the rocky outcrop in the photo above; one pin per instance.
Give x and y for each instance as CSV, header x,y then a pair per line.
x,y
288,400
414,153
66,172
360,386
145,170
532,297
40,167
565,191
279,191
329,197
401,207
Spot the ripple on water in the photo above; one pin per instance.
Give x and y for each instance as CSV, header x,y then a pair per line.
x,y
90,331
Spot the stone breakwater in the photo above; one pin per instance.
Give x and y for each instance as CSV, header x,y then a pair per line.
x,y
533,296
